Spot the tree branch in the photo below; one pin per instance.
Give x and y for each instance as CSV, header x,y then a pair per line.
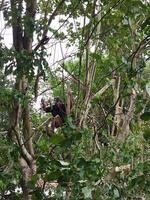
x,y
1,6
24,151
96,25
48,24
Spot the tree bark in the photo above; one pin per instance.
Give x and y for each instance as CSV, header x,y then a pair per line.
x,y
121,122
23,136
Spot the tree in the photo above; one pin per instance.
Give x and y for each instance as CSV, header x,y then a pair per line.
x,y
89,156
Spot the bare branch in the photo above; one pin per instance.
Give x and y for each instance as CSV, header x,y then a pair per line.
x,y
102,90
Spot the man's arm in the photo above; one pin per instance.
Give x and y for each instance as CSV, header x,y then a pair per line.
x,y
48,109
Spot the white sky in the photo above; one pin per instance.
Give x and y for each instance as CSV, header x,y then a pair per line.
x,y
57,49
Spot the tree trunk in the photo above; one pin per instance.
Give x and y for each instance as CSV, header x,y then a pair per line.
x,y
23,136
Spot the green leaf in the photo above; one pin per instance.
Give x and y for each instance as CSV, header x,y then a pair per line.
x,y
37,194
146,23
87,192
33,181
146,134
63,163
2,185
116,193
145,116
148,88
54,175
57,139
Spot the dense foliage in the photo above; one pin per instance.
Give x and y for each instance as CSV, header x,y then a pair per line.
x,y
102,150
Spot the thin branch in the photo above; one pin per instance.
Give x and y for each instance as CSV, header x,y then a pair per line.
x,y
62,60
52,16
48,24
96,25
21,144
36,129
73,77
88,102
142,44
132,104
102,90
43,123
122,64
36,85
2,4
3,132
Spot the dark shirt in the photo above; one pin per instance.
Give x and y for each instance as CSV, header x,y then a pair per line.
x,y
55,110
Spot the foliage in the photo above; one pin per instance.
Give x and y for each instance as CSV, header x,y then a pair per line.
x,y
80,160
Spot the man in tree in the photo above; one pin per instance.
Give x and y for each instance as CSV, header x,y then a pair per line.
x,y
58,110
